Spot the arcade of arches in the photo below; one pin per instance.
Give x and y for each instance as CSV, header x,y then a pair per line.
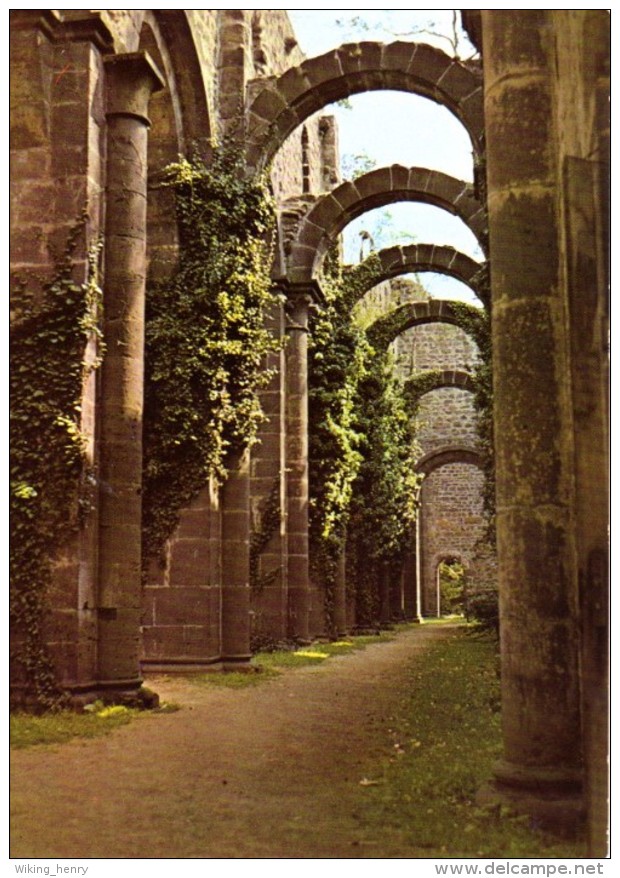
x,y
102,103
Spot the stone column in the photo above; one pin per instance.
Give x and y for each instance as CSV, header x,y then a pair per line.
x,y
541,769
131,79
385,609
236,564
340,597
418,567
297,462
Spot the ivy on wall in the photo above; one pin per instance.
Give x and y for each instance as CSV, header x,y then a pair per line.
x,y
476,323
383,510
362,479
206,339
50,480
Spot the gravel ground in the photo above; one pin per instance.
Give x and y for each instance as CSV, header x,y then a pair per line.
x,y
269,771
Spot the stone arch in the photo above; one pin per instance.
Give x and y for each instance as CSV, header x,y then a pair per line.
x,y
334,210
193,100
439,457
440,529
440,258
285,102
385,329
439,379
179,117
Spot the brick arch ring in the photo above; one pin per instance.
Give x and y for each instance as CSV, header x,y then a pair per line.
x,y
385,329
440,258
433,460
333,211
278,105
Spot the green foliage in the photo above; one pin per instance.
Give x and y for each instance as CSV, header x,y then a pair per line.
x,y
50,482
483,606
270,519
477,324
362,480
62,726
452,584
354,165
384,495
417,385
338,354
446,739
206,339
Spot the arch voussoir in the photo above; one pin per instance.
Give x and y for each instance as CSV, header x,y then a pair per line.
x,y
429,64
457,79
385,186
346,195
293,84
399,177
269,103
357,67
322,69
358,57
386,328
375,181
398,55
439,379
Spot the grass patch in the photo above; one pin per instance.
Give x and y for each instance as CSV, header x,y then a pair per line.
x,y
57,728
233,679
268,665
446,738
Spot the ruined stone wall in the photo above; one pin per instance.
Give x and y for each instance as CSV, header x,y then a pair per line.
x,y
57,168
451,503
446,416
452,523
426,348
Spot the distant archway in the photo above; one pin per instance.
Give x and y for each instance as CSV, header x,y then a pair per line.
x,y
320,226
448,454
385,329
395,261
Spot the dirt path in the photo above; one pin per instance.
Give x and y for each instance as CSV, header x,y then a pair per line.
x,y
271,771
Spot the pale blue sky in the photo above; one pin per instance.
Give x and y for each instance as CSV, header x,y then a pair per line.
x,y
394,127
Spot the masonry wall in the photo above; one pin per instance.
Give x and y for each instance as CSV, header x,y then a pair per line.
x,y
451,515
452,523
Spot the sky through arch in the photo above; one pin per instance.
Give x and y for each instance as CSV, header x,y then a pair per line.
x,y
389,127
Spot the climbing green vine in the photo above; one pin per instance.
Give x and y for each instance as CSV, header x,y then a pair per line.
x,y
269,524
476,323
51,482
361,454
206,339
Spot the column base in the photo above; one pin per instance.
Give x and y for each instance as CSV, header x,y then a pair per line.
x,y
129,693
552,798
240,663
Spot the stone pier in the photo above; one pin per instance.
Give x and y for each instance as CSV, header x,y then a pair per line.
x,y
131,79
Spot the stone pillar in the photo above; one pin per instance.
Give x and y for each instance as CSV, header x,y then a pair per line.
x,y
541,769
385,610
297,462
340,598
236,564
418,565
131,79
269,586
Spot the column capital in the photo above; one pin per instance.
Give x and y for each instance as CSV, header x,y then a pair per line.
x,y
131,80
299,299
75,25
